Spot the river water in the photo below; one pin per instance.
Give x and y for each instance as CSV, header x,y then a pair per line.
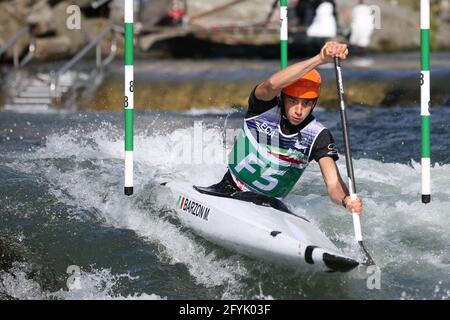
x,y
62,204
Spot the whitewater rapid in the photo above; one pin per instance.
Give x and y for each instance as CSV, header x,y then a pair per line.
x,y
81,169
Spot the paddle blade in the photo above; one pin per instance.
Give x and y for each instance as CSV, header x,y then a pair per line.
x,y
341,264
367,261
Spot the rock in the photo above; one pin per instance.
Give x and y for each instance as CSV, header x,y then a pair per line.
x,y
244,13
444,10
96,26
395,22
443,37
40,17
53,47
46,19
398,29
82,3
116,12
68,42
154,11
146,41
12,20
78,37
401,21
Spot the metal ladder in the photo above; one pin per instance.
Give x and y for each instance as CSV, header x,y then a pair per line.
x,y
46,90
12,42
55,81
31,94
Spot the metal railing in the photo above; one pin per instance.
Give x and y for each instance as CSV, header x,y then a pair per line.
x,y
96,42
13,42
98,3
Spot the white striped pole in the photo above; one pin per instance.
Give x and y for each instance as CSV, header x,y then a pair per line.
x,y
425,97
283,34
129,96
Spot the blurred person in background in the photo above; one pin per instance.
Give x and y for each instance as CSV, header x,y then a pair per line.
x,y
324,23
306,10
362,27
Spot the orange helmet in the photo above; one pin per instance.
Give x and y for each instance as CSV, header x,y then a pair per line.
x,y
307,86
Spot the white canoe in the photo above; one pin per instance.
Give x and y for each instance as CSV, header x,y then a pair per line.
x,y
257,226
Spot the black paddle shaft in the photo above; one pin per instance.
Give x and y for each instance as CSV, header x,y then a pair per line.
x,y
343,112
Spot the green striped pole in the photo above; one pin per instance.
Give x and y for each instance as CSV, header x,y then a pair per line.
x,y
129,96
425,97
283,34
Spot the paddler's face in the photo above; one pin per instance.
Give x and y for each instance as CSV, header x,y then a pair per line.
x,y
298,109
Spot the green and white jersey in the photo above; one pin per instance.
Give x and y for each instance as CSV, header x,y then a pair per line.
x,y
265,160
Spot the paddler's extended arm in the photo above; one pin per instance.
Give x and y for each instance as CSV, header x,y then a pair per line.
x,y
272,86
337,190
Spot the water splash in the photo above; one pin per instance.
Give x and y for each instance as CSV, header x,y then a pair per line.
x,y
84,169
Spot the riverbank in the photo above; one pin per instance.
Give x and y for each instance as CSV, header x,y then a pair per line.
x,y
180,85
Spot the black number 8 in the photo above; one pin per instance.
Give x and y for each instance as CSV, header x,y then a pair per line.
x,y
422,81
131,86
126,102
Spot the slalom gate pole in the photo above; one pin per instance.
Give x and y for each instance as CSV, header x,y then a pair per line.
x,y
129,96
425,98
283,34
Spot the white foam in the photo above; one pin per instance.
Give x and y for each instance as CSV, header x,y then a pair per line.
x,y
80,187
16,284
92,285
99,285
